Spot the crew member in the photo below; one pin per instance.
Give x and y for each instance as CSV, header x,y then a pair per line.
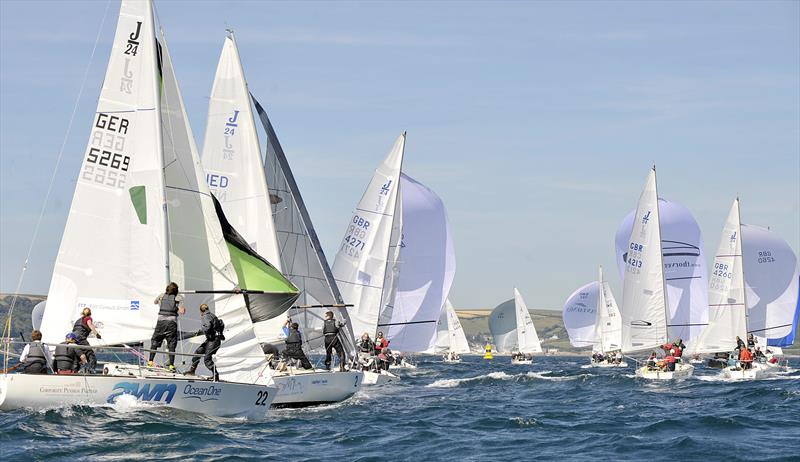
x,y
739,343
669,361
170,305
294,346
35,357
212,327
366,349
381,349
83,327
746,358
652,361
330,329
67,360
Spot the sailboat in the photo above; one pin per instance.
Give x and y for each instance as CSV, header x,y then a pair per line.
x,y
592,318
426,271
685,272
513,330
449,340
367,262
141,216
263,202
645,309
732,313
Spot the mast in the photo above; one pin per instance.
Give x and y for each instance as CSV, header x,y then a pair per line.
x,y
741,259
160,141
601,304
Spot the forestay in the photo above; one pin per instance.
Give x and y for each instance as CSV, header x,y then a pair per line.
x,y
726,310
427,268
580,315
366,251
771,281
685,270
527,339
644,306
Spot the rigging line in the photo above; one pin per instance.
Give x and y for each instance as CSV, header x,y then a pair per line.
x,y
55,169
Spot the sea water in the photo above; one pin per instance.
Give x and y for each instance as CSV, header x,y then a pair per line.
x,y
473,411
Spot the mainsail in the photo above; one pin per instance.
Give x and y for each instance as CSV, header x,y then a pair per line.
x,y
503,326
165,220
609,321
458,340
727,316
644,307
684,267
527,339
580,315
427,263
366,255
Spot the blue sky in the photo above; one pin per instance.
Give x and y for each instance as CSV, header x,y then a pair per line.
x,y
535,122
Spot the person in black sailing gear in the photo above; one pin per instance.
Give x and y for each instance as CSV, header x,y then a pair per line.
x,y
35,357
294,346
330,329
739,344
212,327
170,305
82,328
67,360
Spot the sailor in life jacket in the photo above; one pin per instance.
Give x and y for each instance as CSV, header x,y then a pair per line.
x,y
212,327
170,305
35,357
294,344
66,359
330,329
83,327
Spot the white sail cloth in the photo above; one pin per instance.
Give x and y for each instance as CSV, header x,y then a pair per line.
x,y
771,281
609,320
644,306
361,263
727,317
449,335
118,251
512,327
427,267
527,339
685,270
580,315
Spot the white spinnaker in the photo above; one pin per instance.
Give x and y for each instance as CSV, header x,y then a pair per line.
x,y
609,319
726,296
503,326
685,270
458,340
232,157
199,257
427,270
109,258
580,315
527,339
771,281
644,306
361,261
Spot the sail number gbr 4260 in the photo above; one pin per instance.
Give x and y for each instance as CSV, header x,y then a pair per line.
x,y
106,163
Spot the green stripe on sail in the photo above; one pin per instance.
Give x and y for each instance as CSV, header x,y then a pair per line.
x,y
139,201
254,274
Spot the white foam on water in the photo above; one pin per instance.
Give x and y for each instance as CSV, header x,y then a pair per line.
x,y
126,403
452,383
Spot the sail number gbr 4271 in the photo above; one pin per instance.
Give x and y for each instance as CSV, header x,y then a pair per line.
x,y
106,163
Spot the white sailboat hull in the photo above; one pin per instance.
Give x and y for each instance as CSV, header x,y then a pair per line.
x,y
379,378
758,371
682,371
301,388
223,399
451,361
521,361
404,365
605,364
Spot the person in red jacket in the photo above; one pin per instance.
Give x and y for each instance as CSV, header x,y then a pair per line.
x,y
669,361
381,344
746,358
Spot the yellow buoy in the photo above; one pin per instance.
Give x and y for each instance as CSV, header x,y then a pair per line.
x,y
488,354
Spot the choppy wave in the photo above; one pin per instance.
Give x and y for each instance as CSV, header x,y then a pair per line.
x,y
478,410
